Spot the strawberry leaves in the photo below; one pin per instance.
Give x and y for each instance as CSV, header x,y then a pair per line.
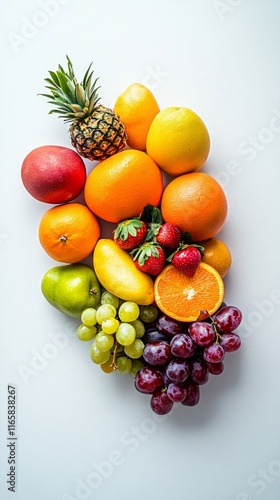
x,y
149,258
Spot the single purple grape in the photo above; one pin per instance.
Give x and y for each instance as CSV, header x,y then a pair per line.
x,y
193,393
160,402
202,333
182,346
157,353
169,326
230,342
216,368
153,335
199,371
214,353
148,379
177,370
176,392
228,319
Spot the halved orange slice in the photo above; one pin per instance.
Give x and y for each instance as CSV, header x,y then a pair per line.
x,y
186,299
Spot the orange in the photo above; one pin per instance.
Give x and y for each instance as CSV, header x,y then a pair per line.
x,y
120,186
216,254
136,107
187,299
178,141
196,203
69,232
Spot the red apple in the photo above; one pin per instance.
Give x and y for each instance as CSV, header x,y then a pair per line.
x,y
53,174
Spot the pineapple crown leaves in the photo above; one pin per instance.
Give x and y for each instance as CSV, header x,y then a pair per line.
x,y
72,100
126,228
182,246
142,253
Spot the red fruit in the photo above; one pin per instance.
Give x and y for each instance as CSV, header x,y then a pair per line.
x,y
187,259
53,174
149,258
169,235
130,233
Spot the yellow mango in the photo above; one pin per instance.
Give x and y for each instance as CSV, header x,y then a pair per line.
x,y
118,274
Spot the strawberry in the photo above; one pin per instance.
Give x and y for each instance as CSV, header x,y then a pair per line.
x,y
149,258
164,233
187,258
168,235
130,233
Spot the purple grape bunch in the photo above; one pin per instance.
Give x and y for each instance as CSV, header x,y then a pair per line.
x,y
179,357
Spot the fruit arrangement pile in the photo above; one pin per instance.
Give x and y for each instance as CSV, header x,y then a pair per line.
x,y
151,301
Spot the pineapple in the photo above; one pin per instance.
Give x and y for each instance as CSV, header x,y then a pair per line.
x,y
95,131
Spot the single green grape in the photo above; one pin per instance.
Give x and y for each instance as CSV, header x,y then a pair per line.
x,y
105,311
104,342
125,334
148,313
139,328
97,356
136,366
110,325
86,332
128,311
135,350
124,364
108,366
88,316
109,298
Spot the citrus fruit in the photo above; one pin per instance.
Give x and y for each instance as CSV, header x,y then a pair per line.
x,y
216,254
136,107
183,298
120,186
53,174
178,141
69,232
118,274
196,203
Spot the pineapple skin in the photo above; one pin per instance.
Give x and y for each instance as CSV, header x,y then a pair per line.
x,y
98,136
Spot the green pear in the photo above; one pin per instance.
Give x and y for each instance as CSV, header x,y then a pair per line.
x,y
71,288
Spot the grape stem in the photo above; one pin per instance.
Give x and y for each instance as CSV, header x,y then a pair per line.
x,y
114,360
217,334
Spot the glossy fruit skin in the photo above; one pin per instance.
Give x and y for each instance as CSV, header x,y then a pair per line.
x,y
157,353
196,203
68,232
121,186
71,288
187,260
169,236
53,174
136,107
130,233
228,318
149,258
202,333
148,379
160,402
169,326
217,254
117,273
193,393
178,140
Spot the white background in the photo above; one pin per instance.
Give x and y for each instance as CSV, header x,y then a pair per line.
x,y
83,434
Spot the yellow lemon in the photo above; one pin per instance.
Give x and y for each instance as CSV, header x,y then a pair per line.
x,y
136,107
178,141
118,274
216,254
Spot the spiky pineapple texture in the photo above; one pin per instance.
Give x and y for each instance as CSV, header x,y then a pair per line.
x,y
95,131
